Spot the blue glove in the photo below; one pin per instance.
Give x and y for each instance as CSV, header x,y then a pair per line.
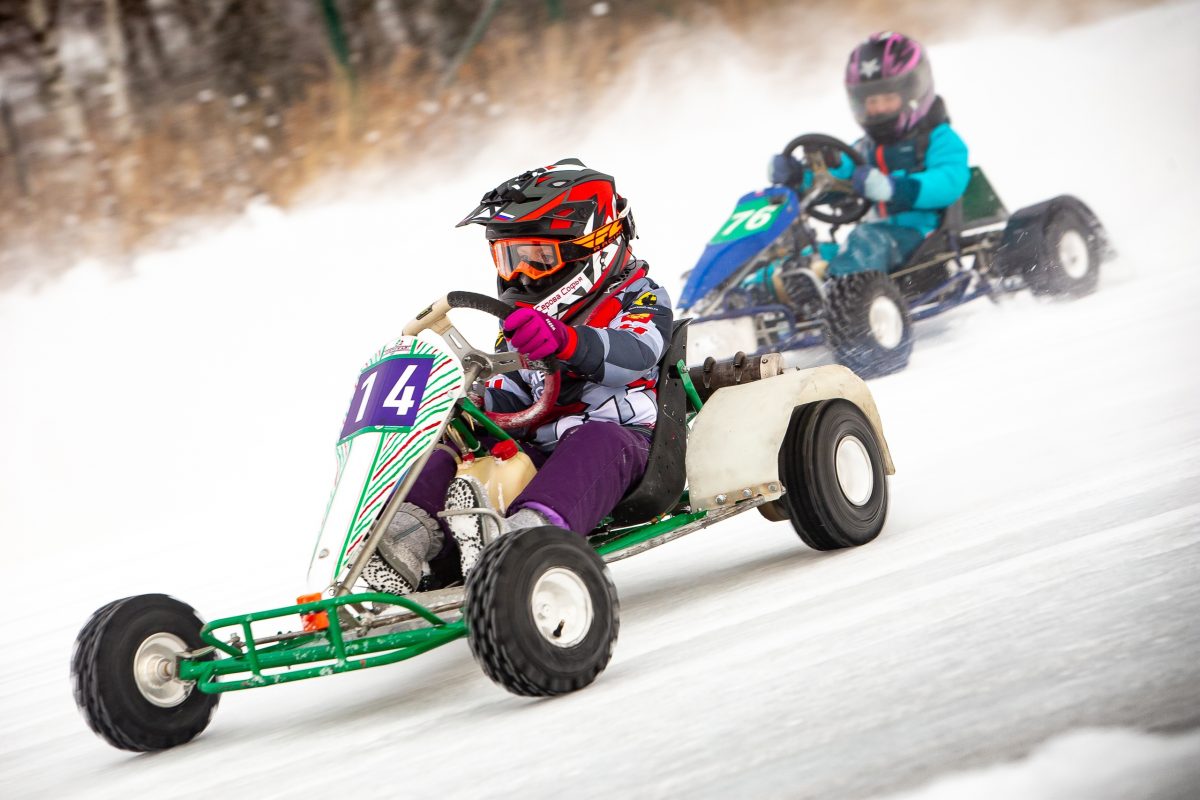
x,y
873,184
784,170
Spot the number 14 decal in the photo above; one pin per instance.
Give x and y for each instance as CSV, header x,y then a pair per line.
x,y
399,398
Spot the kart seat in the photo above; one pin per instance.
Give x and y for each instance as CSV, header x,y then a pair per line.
x,y
663,482
944,239
979,208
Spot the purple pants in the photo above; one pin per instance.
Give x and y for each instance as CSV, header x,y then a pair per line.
x,y
588,473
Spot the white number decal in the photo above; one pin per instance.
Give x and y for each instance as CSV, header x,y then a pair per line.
x,y
401,401
366,390
760,217
735,219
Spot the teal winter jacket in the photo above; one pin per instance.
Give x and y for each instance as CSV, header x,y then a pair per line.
x,y
921,194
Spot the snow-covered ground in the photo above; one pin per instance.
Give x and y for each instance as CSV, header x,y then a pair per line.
x,y
1025,627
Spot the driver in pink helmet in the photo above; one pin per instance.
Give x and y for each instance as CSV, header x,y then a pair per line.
x,y
915,163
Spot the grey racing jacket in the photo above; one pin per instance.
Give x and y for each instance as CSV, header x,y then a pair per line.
x,y
612,365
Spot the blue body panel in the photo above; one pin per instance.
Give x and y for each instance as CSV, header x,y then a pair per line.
x,y
719,261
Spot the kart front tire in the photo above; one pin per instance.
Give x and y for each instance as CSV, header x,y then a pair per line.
x,y
1069,259
868,325
542,612
121,674
832,467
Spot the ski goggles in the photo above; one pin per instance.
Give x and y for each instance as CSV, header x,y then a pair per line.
x,y
538,257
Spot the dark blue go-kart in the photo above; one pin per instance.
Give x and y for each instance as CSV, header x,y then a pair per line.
x,y
761,285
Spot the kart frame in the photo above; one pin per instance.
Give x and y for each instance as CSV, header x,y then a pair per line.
x,y
1001,246
340,634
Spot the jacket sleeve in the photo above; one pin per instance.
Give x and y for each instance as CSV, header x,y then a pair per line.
x,y
630,346
944,178
507,392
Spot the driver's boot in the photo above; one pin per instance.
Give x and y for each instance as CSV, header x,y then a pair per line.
x,y
411,539
474,531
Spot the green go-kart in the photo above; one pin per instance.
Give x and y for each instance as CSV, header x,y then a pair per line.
x,y
539,608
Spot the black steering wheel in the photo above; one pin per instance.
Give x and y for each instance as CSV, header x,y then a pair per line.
x,y
529,417
841,203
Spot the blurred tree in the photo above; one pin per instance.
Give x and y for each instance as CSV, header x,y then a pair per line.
x,y
117,77
42,18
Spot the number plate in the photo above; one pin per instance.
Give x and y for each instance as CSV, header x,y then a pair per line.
x,y
389,395
750,217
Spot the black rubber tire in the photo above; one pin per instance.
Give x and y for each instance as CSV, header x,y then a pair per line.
x,y
501,628
102,675
818,509
848,323
1049,276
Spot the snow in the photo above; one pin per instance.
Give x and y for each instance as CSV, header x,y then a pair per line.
x,y
1100,764
1025,626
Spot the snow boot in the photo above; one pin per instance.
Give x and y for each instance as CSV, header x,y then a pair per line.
x,y
473,531
411,539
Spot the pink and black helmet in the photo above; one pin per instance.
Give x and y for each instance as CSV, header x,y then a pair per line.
x,y
889,62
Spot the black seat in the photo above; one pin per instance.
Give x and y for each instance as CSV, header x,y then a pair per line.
x,y
978,207
663,483
944,239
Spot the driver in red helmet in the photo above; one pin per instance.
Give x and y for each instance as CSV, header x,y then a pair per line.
x,y
560,238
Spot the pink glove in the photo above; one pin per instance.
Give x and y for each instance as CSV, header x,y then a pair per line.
x,y
537,335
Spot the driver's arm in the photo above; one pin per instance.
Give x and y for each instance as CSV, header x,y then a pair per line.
x,y
943,180
840,166
507,393
630,346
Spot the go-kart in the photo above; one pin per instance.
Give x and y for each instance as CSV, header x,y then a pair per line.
x,y
539,609
761,283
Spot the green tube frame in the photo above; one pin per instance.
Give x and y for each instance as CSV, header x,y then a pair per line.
x,y
326,652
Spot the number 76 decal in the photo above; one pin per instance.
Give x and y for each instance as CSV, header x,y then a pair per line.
x,y
388,395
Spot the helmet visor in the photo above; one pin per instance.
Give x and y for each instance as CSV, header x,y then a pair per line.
x,y
911,87
536,258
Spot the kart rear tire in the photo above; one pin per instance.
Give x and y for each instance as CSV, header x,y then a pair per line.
x,y
1069,258
117,680
868,325
832,467
542,612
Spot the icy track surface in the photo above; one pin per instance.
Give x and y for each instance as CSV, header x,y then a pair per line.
x,y
1025,627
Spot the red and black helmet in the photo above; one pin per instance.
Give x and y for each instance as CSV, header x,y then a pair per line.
x,y
559,235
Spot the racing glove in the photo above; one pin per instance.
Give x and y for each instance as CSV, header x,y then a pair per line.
x,y
873,184
537,335
784,170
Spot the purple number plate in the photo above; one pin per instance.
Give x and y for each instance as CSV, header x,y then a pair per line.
x,y
389,395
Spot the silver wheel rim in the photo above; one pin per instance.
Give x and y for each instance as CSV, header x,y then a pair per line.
x,y
1073,254
855,476
154,670
562,607
886,321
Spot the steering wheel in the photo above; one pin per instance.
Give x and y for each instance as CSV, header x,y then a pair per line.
x,y
842,204
529,417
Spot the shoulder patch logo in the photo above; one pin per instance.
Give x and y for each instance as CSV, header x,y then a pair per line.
x,y
646,299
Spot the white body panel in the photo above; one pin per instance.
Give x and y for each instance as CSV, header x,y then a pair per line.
x,y
733,448
373,461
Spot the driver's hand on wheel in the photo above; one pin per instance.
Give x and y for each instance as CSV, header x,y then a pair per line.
x,y
784,170
873,184
536,335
